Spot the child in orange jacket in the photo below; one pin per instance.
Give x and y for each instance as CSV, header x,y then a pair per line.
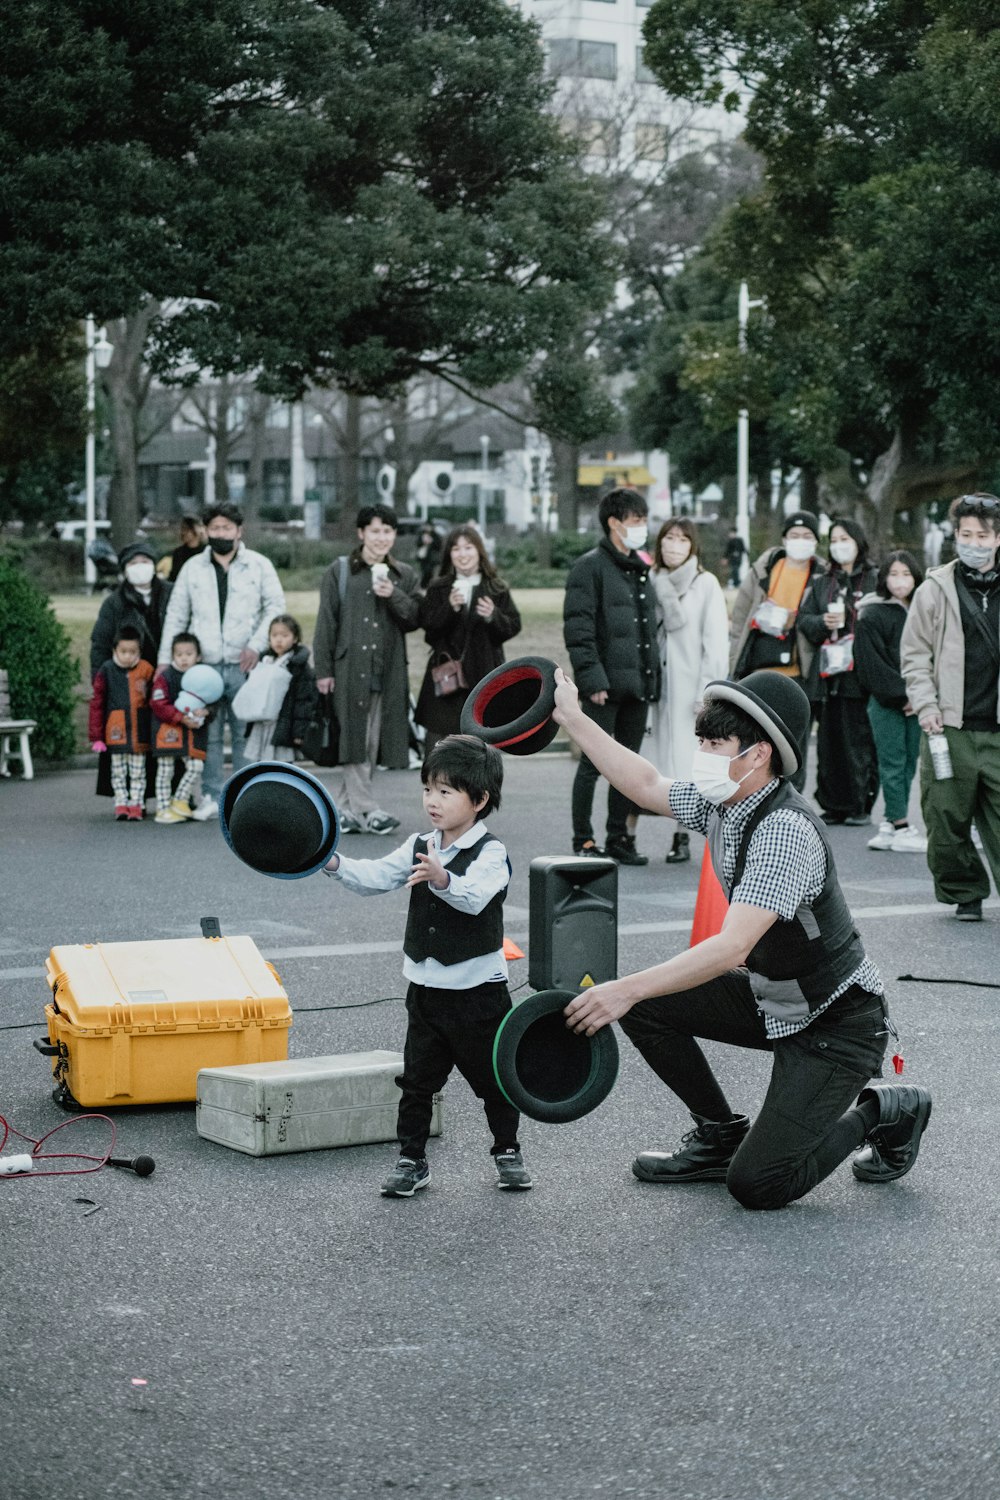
x,y
119,721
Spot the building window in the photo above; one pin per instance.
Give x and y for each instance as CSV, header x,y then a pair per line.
x,y
277,481
651,142
643,74
573,58
595,136
278,414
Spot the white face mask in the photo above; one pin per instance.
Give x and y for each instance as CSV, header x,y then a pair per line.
x,y
675,553
636,537
800,548
139,574
900,588
981,558
843,552
710,774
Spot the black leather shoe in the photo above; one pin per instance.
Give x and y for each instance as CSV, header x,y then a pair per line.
x,y
680,850
891,1147
969,911
832,819
588,848
621,847
705,1154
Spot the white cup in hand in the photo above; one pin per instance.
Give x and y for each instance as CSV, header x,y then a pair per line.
x,y
464,586
380,572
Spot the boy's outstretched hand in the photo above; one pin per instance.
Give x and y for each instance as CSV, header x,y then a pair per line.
x,y
428,867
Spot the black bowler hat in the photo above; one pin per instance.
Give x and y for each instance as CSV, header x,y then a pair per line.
x,y
777,704
512,707
279,820
547,1071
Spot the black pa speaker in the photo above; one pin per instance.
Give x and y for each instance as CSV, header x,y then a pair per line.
x,y
573,922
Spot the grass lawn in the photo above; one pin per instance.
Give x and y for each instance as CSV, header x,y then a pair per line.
x,y
541,614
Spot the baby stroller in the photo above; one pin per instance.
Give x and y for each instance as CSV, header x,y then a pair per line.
x,y
105,560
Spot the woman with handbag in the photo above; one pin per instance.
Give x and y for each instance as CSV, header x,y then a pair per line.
x,y
846,765
467,614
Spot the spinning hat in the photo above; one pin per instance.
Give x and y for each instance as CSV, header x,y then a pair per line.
x,y
512,707
548,1072
279,820
777,704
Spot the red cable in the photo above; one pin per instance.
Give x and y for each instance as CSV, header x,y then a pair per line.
x,y
39,1155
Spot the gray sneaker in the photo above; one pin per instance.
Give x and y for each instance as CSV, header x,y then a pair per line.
x,y
511,1171
406,1177
348,822
380,822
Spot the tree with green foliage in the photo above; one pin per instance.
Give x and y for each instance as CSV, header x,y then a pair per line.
x,y
42,427
35,653
871,237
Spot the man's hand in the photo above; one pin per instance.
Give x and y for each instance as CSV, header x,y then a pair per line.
x,y
429,868
567,698
324,684
931,721
597,1007
248,659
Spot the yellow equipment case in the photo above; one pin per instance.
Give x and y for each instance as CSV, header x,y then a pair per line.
x,y
133,1023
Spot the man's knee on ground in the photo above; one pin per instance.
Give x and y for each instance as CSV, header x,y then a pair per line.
x,y
755,1190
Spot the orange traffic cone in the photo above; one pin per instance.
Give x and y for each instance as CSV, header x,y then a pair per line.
x,y
711,905
510,949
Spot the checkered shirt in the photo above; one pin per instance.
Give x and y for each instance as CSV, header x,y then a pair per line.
x,y
785,866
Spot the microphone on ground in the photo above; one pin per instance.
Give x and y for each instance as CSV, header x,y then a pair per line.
x,y
142,1166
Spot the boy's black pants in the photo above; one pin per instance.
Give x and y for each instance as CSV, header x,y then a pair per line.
x,y
452,1029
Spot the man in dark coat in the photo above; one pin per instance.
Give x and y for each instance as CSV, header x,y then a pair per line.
x,y
139,600
367,603
609,625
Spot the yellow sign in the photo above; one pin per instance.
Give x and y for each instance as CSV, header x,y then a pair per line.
x,y
586,982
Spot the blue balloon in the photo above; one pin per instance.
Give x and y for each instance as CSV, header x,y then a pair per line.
x,y
200,686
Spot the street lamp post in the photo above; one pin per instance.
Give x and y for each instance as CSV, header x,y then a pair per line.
x,y
743,427
484,464
99,353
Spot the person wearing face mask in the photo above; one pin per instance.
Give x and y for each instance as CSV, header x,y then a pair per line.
x,y
787,974
764,626
139,601
846,765
467,614
609,626
950,658
692,635
227,596
877,634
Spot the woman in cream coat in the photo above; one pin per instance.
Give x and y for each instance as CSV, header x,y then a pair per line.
x,y
693,634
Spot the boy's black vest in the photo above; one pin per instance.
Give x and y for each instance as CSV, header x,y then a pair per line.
x,y
797,965
436,930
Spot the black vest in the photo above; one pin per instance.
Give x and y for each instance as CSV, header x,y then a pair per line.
x,y
436,930
797,965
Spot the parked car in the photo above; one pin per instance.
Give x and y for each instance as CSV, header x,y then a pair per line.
x,y
75,531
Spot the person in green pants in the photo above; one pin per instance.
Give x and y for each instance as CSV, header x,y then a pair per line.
x,y
895,728
950,658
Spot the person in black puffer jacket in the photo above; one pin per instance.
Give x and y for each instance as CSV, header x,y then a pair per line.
x,y
139,600
846,767
609,626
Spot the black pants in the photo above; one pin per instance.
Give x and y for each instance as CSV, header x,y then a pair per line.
x,y
846,763
805,1127
452,1029
625,720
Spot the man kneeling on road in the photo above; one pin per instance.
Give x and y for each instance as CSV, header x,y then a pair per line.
x,y
787,973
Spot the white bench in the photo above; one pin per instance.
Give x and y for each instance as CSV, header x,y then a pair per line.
x,y
15,735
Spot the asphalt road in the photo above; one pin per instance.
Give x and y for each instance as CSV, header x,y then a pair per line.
x,y
302,1336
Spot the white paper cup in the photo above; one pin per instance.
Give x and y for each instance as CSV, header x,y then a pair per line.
x,y
380,572
465,587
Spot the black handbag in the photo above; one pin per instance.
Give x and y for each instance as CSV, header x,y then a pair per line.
x,y
321,741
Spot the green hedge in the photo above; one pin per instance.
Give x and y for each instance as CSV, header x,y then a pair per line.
x,y
35,653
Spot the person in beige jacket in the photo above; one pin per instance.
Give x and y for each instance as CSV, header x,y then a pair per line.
x,y
950,658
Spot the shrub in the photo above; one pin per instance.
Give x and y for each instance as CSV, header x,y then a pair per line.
x,y
35,653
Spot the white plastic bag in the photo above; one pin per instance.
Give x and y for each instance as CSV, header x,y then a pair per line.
x,y
261,696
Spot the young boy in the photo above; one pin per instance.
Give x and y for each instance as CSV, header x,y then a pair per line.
x,y
178,735
119,721
457,876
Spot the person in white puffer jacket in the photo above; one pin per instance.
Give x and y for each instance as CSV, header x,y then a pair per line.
x,y
227,596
